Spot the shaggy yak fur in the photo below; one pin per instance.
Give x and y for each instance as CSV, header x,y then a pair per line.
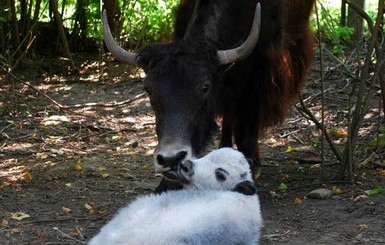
x,y
190,90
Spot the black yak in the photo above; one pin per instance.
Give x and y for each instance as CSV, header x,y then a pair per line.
x,y
199,77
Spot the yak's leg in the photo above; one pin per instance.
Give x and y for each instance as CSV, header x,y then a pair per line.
x,y
246,138
226,132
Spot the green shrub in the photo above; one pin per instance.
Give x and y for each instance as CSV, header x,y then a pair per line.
x,y
331,31
148,21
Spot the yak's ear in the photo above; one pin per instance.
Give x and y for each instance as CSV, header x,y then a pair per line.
x,y
246,187
143,61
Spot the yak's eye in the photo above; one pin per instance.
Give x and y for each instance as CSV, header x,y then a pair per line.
x,y
147,90
221,174
205,87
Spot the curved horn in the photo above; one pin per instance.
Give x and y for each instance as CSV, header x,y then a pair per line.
x,y
240,52
117,51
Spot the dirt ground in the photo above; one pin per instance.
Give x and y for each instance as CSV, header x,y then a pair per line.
x,y
65,172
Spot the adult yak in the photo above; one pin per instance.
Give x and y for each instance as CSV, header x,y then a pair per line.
x,y
211,72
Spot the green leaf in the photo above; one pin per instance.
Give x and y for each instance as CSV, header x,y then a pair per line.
x,y
282,187
375,191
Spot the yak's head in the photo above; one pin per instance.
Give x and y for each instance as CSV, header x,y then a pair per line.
x,y
181,84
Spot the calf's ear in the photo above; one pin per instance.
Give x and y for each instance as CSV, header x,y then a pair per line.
x,y
246,187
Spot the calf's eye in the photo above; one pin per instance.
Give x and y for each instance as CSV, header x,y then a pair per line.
x,y
220,174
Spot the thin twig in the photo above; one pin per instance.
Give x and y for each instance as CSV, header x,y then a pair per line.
x,y
306,112
68,107
111,104
322,94
68,236
35,89
3,129
361,104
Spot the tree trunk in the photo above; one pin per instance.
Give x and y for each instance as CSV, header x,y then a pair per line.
x,y
62,34
34,22
343,13
79,32
3,28
27,24
15,28
355,20
23,16
382,85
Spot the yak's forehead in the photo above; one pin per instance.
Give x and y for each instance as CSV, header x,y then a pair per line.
x,y
178,58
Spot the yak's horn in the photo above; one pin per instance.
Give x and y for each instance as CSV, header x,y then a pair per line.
x,y
117,51
240,52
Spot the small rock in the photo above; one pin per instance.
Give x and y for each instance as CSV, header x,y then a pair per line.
x,y
320,193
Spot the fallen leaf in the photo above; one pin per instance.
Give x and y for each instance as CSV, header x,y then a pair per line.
x,y
337,190
362,227
4,224
74,233
282,187
27,175
289,149
313,158
381,173
66,210
68,184
271,141
298,200
105,176
9,162
42,155
19,216
15,230
342,132
87,206
292,161
57,151
315,166
78,166
18,125
360,198
375,191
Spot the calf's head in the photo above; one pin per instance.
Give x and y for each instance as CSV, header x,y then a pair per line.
x,y
222,169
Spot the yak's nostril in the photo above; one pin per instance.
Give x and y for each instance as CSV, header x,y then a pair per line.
x,y
171,160
160,160
180,156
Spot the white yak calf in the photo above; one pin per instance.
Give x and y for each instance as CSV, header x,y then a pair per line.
x,y
218,205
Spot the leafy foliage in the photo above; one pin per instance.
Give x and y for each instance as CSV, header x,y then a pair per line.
x,y
332,32
148,21
140,22
379,141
